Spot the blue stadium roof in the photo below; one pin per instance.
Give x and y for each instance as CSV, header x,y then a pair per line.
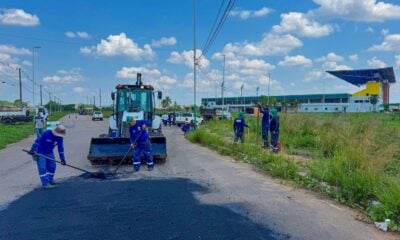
x,y
360,77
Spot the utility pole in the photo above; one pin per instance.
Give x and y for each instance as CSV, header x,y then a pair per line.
x,y
269,83
194,62
33,74
258,88
94,102
41,96
50,102
100,98
20,88
223,85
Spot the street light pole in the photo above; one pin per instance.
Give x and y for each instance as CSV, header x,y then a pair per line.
x,y
269,83
194,62
223,85
33,74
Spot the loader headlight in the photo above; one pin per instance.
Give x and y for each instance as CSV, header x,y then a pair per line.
x,y
142,87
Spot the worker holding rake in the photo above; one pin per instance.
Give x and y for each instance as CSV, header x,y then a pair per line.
x,y
140,141
44,146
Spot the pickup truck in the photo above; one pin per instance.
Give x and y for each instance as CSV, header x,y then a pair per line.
x,y
181,118
10,115
97,116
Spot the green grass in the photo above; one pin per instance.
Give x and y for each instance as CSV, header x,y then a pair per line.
x,y
354,158
16,132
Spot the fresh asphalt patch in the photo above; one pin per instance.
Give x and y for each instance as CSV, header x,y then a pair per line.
x,y
129,209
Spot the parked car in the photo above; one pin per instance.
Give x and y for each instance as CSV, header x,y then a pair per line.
x,y
97,116
181,118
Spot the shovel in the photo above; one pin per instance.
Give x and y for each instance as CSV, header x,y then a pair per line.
x,y
99,175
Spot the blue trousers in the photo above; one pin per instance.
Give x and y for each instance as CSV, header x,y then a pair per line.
x,y
239,135
137,156
265,129
274,139
46,169
39,132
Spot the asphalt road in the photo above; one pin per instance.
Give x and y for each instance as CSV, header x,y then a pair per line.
x,y
197,194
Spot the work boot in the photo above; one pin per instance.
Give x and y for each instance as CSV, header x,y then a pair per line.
x,y
47,186
53,183
150,168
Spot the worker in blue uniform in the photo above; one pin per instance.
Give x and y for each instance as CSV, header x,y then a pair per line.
x,y
44,145
238,127
274,129
265,124
140,141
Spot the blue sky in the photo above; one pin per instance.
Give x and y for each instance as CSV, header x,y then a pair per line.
x,y
88,45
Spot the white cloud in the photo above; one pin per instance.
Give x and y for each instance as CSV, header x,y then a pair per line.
x,y
385,32
271,44
358,10
164,41
65,77
80,90
131,72
119,45
18,17
150,76
26,63
13,50
332,66
70,34
397,61
370,30
376,63
167,80
313,75
391,43
246,14
298,60
300,24
186,57
83,35
330,57
353,57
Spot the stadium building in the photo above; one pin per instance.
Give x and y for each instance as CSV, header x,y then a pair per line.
x,y
376,82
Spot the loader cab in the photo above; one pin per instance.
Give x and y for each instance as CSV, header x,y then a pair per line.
x,y
133,98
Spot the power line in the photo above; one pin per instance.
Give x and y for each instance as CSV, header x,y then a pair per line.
x,y
215,21
214,32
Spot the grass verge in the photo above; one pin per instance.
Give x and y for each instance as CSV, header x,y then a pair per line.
x,y
16,132
355,158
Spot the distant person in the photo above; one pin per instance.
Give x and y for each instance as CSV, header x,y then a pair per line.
x,y
44,145
274,129
238,127
186,126
39,123
169,119
265,124
140,141
174,119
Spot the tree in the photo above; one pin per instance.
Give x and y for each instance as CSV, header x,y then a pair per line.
x,y
166,102
17,103
374,99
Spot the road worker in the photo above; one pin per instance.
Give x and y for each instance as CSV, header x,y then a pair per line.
x,y
44,145
265,124
274,129
140,141
238,127
39,124
186,127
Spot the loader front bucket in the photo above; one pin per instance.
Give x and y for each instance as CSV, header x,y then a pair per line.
x,y
112,150
109,150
